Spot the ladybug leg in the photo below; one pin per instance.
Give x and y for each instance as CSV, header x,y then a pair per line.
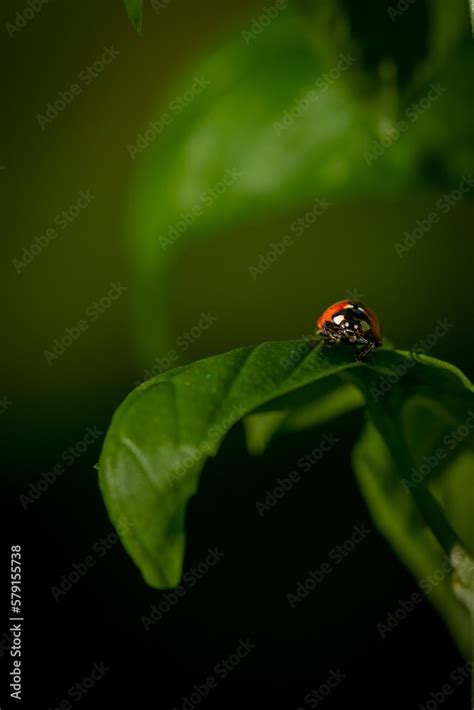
x,y
362,355
313,340
327,341
328,337
353,336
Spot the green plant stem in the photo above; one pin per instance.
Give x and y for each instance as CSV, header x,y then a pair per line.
x,y
433,514
429,508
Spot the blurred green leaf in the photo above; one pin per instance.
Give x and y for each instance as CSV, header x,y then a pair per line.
x,y
413,39
135,13
215,157
269,123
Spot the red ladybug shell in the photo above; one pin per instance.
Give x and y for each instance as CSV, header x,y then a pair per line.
x,y
349,305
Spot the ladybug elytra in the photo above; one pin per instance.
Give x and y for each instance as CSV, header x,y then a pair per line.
x,y
350,322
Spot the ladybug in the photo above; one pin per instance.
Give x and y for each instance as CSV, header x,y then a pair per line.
x,y
350,322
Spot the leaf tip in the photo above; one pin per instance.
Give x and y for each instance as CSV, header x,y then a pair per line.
x,y
135,13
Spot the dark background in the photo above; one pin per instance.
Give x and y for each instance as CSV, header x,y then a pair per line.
x,y
53,405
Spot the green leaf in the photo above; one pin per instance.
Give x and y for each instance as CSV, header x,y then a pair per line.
x,y
162,434
420,443
302,409
428,410
165,430
135,13
396,515
323,401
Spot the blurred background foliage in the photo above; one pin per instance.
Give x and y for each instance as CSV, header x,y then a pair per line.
x,y
382,120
